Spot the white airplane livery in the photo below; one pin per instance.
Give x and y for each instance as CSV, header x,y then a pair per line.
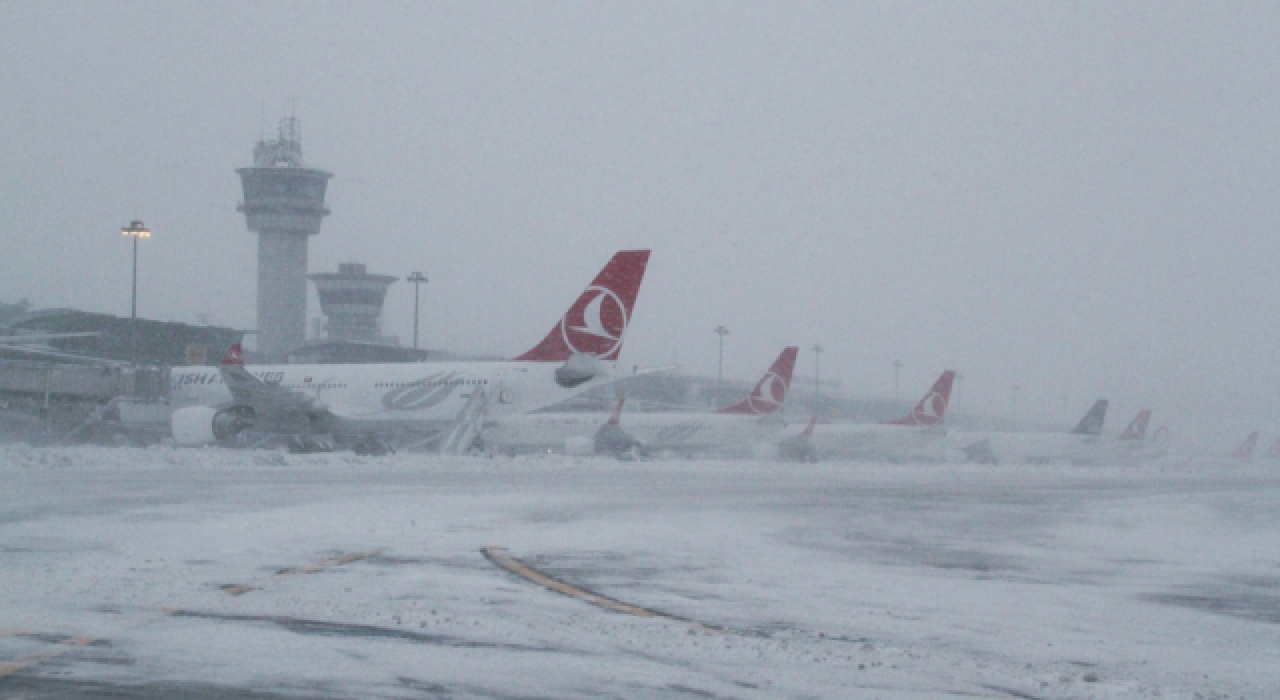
x,y
907,438
1083,445
736,426
440,402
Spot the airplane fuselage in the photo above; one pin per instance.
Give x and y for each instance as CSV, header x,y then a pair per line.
x,y
677,432
385,398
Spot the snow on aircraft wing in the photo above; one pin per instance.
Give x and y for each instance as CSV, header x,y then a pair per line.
x,y
264,397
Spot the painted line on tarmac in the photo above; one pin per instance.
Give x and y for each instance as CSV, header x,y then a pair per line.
x,y
341,559
500,558
9,668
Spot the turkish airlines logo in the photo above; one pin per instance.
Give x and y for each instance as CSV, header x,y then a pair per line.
x,y
769,394
596,328
424,393
931,407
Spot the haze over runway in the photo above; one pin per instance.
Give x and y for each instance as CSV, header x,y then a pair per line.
x,y
1079,199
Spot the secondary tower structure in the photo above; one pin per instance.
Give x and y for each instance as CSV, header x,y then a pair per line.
x,y
352,300
284,205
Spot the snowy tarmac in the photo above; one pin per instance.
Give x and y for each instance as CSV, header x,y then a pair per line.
x,y
163,573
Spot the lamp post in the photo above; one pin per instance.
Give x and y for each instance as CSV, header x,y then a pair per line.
x,y
135,230
897,366
722,332
418,279
817,375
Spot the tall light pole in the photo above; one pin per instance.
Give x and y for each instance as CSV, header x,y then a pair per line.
x,y
817,375
722,332
135,230
897,366
418,279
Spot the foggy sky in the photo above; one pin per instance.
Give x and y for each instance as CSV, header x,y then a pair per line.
x,y
1079,198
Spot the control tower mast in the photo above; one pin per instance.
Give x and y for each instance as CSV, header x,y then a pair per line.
x,y
284,205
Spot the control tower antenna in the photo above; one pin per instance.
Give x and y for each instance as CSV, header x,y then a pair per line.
x,y
284,205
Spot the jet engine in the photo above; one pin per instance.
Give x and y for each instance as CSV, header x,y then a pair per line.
x,y
203,425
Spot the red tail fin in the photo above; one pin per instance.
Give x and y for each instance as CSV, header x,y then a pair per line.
x,y
234,356
1137,430
771,391
1245,451
597,321
1274,451
933,406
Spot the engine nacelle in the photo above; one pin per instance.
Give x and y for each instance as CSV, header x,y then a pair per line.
x,y
203,425
579,446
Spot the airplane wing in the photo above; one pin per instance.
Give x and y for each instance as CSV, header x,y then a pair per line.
x,y
266,397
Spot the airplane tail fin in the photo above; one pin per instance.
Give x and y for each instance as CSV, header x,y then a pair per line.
x,y
771,391
597,321
1092,422
1274,451
1246,449
933,407
616,417
808,429
234,356
1137,430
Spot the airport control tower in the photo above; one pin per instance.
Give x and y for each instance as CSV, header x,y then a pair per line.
x,y
284,205
352,300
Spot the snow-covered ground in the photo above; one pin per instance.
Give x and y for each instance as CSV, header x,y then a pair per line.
x,y
836,580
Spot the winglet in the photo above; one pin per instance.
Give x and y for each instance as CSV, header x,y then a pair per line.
x,y
597,322
1246,449
616,418
771,391
234,356
933,407
1137,430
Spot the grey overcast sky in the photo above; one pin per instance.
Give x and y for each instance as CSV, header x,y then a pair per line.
x,y
1080,198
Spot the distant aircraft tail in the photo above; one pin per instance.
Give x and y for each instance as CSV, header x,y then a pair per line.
x,y
1273,452
771,391
1137,430
597,322
1093,421
1246,449
933,407
234,356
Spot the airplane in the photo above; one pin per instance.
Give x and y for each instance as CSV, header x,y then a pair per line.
x,y
1132,444
440,403
908,437
1079,445
729,428
1245,451
1273,452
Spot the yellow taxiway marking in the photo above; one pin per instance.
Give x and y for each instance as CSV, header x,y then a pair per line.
x,y
242,588
500,558
11,667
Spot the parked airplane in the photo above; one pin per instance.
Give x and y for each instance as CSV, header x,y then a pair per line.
x,y
1273,452
442,402
1245,451
1078,446
733,427
906,438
